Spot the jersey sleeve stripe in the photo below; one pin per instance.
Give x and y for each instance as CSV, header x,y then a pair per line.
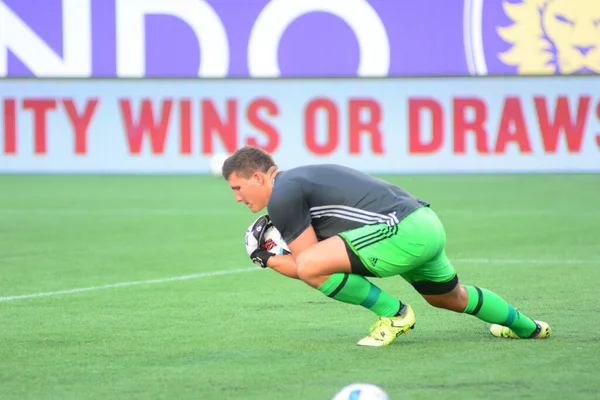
x,y
353,214
347,208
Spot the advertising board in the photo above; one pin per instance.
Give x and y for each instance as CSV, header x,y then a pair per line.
x,y
308,38
524,124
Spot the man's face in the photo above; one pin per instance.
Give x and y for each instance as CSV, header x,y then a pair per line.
x,y
250,191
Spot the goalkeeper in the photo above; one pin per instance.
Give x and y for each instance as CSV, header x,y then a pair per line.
x,y
342,226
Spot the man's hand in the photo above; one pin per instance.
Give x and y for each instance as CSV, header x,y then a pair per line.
x,y
255,241
260,257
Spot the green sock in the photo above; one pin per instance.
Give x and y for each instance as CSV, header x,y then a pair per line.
x,y
490,307
355,289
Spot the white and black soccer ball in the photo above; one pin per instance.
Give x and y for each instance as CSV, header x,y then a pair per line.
x,y
361,391
274,242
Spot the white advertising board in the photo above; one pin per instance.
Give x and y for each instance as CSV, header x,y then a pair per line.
x,y
433,125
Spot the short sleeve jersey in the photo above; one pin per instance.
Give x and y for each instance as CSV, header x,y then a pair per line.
x,y
334,199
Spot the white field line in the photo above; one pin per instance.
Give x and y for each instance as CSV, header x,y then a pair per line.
x,y
486,261
122,284
120,212
236,271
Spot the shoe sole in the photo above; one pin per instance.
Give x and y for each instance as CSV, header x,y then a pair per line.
x,y
405,331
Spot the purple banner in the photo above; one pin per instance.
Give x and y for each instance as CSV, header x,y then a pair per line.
x,y
288,38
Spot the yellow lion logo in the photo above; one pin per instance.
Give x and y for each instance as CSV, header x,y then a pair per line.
x,y
553,36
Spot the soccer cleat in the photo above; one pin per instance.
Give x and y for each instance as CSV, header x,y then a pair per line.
x,y
542,331
387,329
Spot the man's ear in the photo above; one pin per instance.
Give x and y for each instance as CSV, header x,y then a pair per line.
x,y
259,178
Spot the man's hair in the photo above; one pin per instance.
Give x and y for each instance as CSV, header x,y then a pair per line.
x,y
246,161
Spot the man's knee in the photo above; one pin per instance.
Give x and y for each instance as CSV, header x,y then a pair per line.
x,y
320,261
456,300
307,265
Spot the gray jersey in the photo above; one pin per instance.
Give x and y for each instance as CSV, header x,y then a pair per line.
x,y
334,199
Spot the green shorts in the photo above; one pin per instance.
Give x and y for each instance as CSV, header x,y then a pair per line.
x,y
413,249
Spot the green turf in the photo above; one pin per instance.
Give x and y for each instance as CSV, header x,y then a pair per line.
x,y
257,335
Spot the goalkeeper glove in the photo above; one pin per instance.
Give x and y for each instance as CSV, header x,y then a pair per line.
x,y
255,241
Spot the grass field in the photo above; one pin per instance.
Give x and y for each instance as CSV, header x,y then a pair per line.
x,y
253,334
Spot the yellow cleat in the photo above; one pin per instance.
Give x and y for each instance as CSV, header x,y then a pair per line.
x,y
387,329
542,332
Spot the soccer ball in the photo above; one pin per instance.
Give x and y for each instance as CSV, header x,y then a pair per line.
x,y
215,163
274,243
361,391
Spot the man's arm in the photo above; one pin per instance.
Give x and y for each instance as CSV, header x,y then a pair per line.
x,y
285,265
290,214
306,239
